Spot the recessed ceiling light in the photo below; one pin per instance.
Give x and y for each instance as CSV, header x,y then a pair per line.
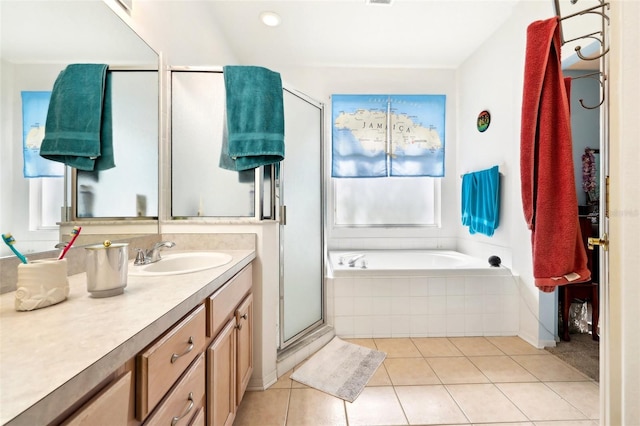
x,y
270,19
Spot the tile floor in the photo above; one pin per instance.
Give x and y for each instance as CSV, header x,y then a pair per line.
x,y
443,381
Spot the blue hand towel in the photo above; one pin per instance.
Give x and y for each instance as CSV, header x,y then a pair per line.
x,y
255,118
467,194
78,127
481,201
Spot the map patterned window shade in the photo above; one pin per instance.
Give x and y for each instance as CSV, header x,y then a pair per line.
x,y
34,116
388,135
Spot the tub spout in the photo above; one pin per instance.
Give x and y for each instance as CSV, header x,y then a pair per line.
x,y
352,261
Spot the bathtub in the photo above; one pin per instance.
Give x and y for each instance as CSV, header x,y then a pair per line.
x,y
419,293
409,262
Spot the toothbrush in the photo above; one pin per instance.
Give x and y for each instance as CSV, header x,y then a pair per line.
x,y
7,238
74,232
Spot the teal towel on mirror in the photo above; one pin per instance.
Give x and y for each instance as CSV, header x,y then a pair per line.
x,y
78,127
255,118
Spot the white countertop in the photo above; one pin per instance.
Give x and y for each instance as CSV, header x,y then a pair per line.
x,y
52,356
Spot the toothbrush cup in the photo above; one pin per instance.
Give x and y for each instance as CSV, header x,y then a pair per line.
x,y
41,283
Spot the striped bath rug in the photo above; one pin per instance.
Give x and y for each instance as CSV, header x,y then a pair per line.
x,y
340,369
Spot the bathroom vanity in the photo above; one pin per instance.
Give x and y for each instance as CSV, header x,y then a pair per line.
x,y
173,349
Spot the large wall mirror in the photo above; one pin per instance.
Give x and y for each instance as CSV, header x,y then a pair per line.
x,y
39,39
129,190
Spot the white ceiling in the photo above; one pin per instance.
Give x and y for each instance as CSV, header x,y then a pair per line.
x,y
407,33
349,33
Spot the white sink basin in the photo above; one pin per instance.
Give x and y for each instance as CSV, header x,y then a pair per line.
x,y
181,263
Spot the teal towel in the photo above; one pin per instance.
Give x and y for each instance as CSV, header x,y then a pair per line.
x,y
255,118
481,201
78,127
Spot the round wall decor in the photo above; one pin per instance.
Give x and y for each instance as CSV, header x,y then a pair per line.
x,y
484,118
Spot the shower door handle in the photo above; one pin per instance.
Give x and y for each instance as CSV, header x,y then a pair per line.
x,y
283,215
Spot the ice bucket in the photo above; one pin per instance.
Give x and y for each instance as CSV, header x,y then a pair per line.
x,y
107,269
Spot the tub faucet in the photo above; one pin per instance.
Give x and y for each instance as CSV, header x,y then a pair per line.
x,y
153,254
352,260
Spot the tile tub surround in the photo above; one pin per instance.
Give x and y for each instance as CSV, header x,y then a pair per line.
x,y
423,306
53,356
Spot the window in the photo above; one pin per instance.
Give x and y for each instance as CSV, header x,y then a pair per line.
x,y
45,203
386,202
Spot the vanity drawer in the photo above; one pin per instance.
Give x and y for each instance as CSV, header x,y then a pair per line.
x,y
160,365
109,407
221,305
184,400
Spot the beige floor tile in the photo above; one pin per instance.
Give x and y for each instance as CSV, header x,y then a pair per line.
x,y
311,407
367,343
549,368
507,424
410,371
567,423
485,403
456,370
380,377
398,348
429,405
514,345
585,396
475,346
538,402
376,406
502,369
268,408
436,346
284,381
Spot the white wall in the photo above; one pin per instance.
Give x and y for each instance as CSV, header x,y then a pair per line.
x,y
585,123
492,79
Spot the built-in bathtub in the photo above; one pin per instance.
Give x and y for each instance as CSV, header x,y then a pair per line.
x,y
419,293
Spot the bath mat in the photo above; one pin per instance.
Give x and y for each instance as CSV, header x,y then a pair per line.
x,y
340,369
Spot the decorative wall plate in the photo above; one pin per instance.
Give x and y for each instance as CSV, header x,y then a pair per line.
x,y
484,118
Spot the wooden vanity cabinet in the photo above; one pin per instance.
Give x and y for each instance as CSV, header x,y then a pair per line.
x,y
184,399
230,355
221,375
160,365
244,339
194,374
109,407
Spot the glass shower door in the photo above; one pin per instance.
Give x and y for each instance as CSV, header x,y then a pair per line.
x,y
301,213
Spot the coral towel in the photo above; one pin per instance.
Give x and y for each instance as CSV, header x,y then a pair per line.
x,y
546,164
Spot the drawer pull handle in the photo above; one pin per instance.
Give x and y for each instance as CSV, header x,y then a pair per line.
x,y
175,420
175,357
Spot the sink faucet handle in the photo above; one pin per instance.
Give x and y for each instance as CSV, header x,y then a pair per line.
x,y
140,257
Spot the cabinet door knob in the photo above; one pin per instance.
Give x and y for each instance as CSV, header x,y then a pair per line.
x,y
174,357
176,419
244,316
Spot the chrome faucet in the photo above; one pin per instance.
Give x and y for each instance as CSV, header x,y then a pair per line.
x,y
152,255
352,261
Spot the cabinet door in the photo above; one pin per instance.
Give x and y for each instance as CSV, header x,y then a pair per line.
x,y
221,377
244,320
